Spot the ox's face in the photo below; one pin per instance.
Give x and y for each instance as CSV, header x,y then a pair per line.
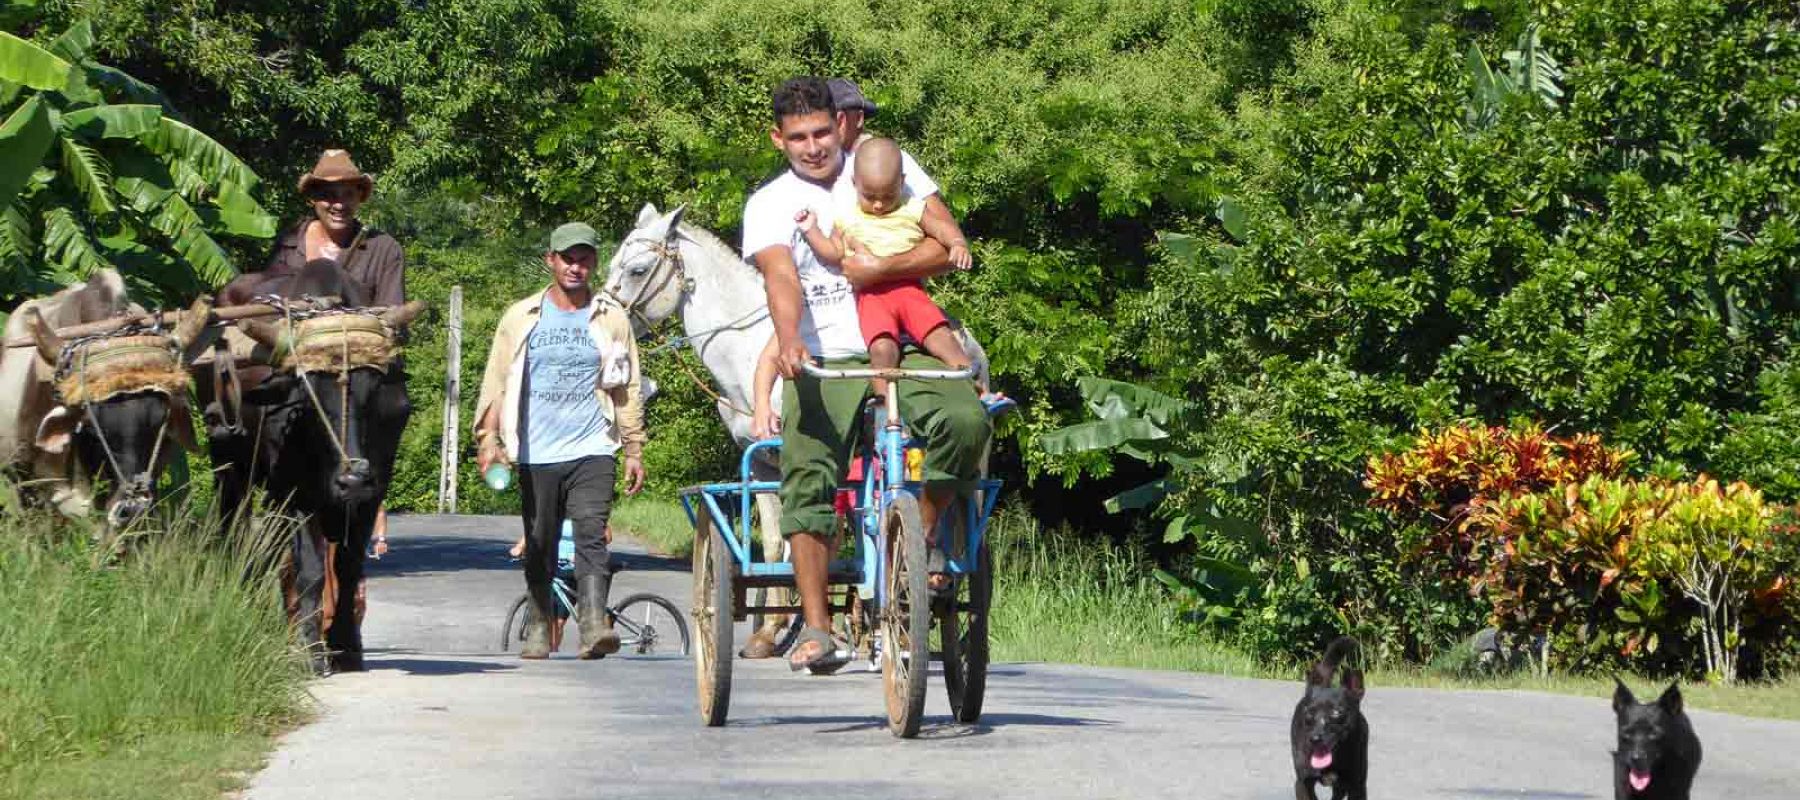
x,y
344,409
126,439
642,274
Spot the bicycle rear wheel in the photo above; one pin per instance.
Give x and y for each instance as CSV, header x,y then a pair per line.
x,y
963,626
513,630
905,617
650,625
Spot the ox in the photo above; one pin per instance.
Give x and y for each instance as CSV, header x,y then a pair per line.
x,y
317,426
114,407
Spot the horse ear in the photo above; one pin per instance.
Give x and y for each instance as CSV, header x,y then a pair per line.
x,y
674,221
647,215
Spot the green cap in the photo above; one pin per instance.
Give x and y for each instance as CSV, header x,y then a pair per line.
x,y
573,234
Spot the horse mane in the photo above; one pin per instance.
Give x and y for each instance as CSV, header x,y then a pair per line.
x,y
714,246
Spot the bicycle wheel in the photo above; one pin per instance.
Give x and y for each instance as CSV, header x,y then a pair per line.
x,y
905,617
712,621
650,625
963,627
513,630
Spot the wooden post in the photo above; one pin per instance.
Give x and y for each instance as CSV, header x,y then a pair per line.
x,y
452,449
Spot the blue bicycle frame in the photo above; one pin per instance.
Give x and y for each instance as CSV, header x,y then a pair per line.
x,y
879,487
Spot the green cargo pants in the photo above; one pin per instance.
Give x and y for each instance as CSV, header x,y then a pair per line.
x,y
822,429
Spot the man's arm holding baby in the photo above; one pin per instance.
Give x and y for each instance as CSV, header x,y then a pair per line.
x,y
928,259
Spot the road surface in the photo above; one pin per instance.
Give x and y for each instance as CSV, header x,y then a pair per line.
x,y
441,715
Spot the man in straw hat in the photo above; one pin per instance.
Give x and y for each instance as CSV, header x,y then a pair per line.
x,y
561,398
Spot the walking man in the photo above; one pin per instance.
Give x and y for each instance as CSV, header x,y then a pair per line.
x,y
560,399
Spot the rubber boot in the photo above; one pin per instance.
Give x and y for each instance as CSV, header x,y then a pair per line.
x,y
598,639
537,625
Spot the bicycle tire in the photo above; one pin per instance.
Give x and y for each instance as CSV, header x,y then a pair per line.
x,y
905,617
963,628
713,617
630,644
514,622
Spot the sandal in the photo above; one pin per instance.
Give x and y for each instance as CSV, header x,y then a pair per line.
x,y
827,661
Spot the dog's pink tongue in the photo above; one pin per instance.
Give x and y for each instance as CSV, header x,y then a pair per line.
x,y
1639,779
1321,759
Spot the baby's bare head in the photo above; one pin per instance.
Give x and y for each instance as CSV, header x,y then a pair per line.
x,y
878,172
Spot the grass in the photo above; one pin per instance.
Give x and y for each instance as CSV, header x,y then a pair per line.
x,y
658,522
161,674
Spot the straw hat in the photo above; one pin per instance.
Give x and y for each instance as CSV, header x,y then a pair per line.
x,y
335,166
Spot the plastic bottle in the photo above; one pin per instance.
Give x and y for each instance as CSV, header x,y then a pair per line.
x,y
498,476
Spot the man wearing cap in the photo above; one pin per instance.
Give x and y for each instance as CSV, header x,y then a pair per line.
x,y
560,398
854,109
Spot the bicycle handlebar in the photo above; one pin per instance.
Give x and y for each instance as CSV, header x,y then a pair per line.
x,y
892,373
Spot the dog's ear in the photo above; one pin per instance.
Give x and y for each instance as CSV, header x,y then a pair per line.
x,y
1353,684
1622,697
1319,675
1671,699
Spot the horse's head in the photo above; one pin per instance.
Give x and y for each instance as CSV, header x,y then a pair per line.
x,y
646,273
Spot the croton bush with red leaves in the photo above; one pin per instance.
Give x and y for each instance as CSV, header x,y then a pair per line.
x,y
1558,540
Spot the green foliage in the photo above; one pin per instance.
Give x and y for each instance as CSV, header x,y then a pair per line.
x,y
92,180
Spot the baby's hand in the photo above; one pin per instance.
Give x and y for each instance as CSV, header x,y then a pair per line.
x,y
807,220
960,257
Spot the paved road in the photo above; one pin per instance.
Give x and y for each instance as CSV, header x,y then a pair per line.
x,y
442,716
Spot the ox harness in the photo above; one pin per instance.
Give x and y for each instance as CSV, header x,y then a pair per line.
x,y
107,355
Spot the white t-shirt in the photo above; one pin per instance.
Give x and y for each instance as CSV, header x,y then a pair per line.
x,y
828,323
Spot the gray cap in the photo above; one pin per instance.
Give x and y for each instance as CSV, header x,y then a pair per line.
x,y
573,234
847,96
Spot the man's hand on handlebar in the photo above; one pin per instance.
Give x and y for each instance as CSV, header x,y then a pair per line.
x,y
792,358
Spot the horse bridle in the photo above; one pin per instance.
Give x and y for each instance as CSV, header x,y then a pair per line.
x,y
668,253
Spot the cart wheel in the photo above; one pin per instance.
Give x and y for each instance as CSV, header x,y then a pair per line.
x,y
964,629
712,622
905,617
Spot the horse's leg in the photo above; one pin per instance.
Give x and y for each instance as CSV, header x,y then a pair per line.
x,y
309,569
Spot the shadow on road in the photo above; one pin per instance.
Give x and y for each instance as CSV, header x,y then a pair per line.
x,y
438,666
418,554
933,728
1521,794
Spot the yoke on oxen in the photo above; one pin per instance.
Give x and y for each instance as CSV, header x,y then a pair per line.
x,y
319,433
119,396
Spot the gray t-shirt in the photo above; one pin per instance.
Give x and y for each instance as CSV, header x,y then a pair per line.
x,y
562,370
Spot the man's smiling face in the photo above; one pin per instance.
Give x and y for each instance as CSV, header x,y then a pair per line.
x,y
810,142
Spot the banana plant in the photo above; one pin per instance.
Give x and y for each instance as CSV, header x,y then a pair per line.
x,y
98,171
1531,71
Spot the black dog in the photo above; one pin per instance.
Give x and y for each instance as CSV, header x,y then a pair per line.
x,y
1658,752
1329,736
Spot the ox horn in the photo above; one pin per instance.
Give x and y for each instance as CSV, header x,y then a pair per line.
x,y
398,317
49,345
194,321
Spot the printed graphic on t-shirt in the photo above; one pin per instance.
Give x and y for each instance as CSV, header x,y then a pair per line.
x,y
563,419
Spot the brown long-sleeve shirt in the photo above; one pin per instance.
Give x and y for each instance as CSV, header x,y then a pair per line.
x,y
377,266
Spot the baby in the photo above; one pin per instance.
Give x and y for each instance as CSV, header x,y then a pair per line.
x,y
884,221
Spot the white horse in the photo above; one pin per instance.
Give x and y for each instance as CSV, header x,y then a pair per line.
x,y
664,267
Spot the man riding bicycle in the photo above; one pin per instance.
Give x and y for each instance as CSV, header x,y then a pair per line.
x,y
814,312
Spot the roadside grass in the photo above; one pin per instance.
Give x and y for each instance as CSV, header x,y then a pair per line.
x,y
1062,597
160,674
658,522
